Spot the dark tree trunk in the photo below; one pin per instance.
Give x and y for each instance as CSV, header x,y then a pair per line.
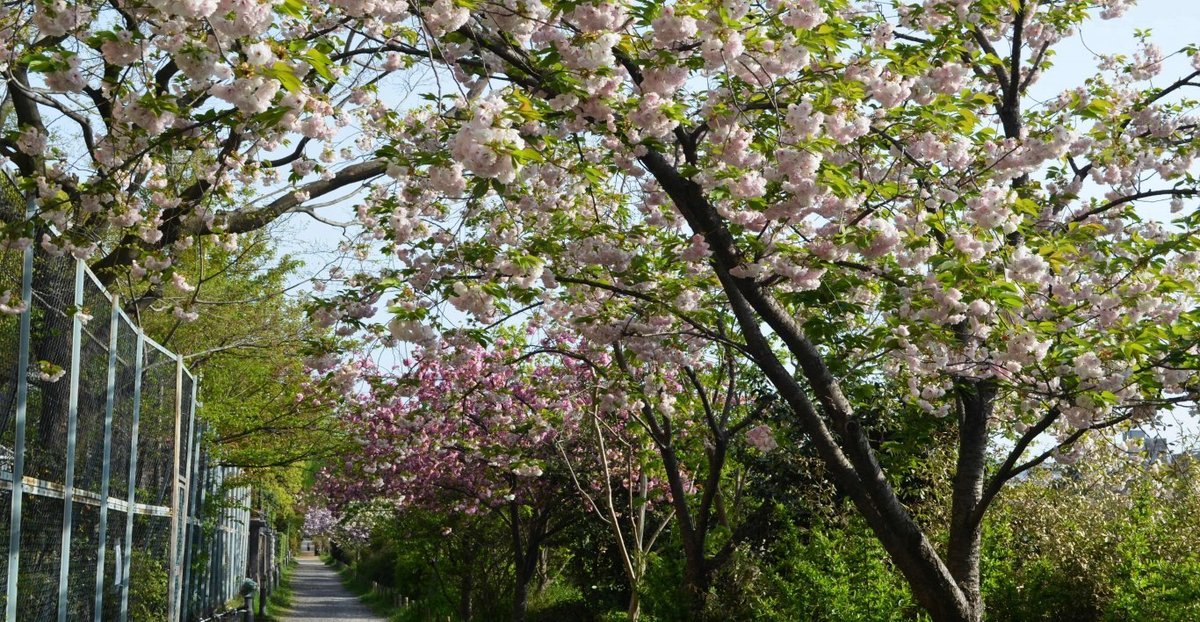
x,y
51,340
695,590
523,576
696,573
526,551
977,399
465,600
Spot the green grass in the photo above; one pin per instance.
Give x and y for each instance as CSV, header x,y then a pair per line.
x,y
281,598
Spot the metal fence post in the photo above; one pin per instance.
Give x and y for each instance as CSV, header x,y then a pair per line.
x,y
222,584
241,536
173,547
203,481
185,503
243,539
210,478
18,472
64,562
215,546
106,467
192,532
244,548
216,587
133,469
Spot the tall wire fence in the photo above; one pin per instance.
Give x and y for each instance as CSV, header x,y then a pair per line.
x,y
111,507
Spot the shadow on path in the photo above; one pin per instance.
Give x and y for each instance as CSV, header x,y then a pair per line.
x,y
317,594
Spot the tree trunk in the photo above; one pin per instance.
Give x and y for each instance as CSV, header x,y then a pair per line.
x,y
977,399
635,605
51,341
695,574
695,585
524,573
465,588
526,555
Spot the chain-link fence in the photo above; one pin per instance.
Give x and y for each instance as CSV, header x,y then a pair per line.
x,y
112,507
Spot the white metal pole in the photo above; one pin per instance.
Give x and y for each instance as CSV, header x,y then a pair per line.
x,y
18,472
64,562
133,467
106,467
173,548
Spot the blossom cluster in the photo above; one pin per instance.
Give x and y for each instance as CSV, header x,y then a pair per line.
x,y
882,181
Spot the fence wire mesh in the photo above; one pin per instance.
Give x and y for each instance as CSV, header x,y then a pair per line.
x,y
111,508
50,381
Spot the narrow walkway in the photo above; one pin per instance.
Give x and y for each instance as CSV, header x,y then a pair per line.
x,y
317,594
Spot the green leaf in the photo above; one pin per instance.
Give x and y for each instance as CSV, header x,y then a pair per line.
x,y
526,108
320,62
1096,109
292,8
282,72
522,156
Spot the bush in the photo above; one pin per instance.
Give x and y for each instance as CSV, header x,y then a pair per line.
x,y
831,572
1106,541
148,587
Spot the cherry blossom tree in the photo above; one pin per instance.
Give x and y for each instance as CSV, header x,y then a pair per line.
x,y
538,435
843,192
318,521
625,502
468,431
865,188
140,127
695,415
144,131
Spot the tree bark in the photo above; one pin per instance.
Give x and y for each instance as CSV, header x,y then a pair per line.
x,y
466,587
696,571
521,593
526,552
977,400
635,605
51,341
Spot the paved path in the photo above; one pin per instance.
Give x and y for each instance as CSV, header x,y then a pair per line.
x,y
318,595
